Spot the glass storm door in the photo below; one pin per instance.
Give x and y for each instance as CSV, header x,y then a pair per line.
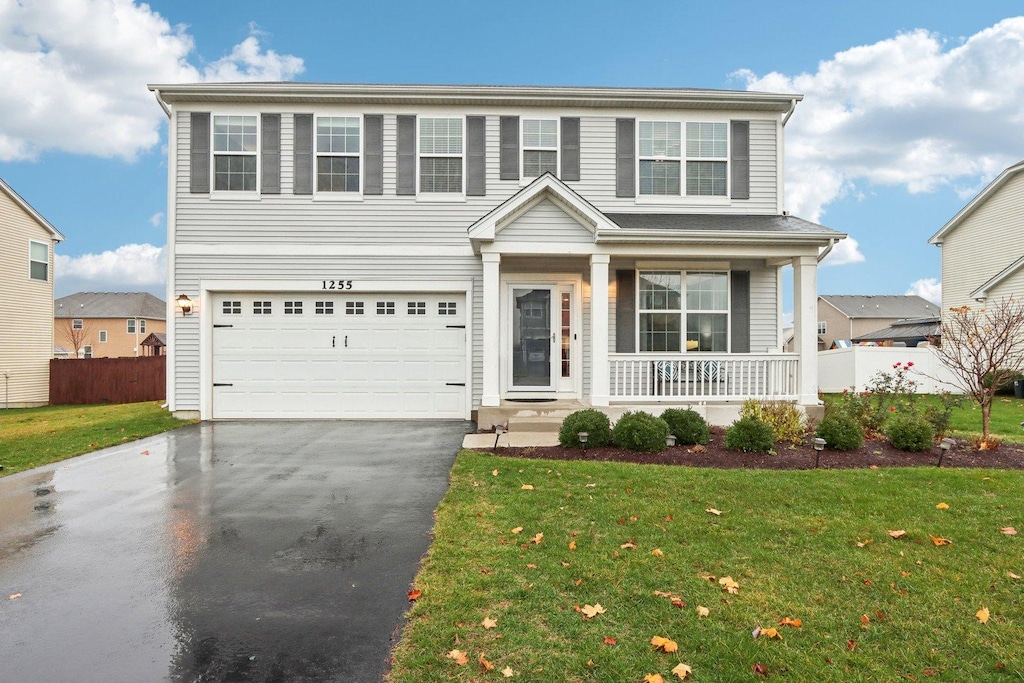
x,y
536,347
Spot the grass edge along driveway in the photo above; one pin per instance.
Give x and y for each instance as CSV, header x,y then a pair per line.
x,y
811,546
31,437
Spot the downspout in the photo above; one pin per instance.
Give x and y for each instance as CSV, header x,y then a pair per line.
x,y
785,119
822,255
167,110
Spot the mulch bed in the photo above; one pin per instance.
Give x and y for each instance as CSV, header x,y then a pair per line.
x,y
874,453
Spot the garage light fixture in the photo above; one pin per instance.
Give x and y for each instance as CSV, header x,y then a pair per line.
x,y
185,304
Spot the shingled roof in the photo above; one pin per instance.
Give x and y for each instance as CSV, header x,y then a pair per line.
x,y
110,305
881,306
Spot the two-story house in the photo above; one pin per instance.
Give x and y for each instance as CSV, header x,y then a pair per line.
x,y
444,251
27,241
983,244
852,317
106,324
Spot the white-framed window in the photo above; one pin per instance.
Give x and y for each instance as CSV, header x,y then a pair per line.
x,y
707,159
540,147
338,153
131,326
821,327
77,323
87,351
441,147
142,327
677,305
103,336
38,261
235,147
660,150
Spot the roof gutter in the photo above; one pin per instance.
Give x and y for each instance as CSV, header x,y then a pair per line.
x,y
785,119
161,102
620,236
823,254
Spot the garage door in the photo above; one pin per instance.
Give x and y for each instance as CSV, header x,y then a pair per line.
x,y
339,355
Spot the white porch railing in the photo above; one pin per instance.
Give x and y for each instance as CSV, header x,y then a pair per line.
x,y
703,376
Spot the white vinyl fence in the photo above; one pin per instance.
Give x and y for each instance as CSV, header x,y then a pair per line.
x,y
853,368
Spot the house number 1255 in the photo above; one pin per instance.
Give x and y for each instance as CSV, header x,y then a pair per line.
x,y
337,284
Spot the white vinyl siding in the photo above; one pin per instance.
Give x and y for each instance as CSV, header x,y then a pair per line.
x,y
544,222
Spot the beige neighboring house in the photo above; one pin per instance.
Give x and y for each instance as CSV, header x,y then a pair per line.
x,y
106,324
983,244
846,316
26,276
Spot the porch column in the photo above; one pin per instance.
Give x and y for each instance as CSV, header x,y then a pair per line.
x,y
805,326
599,330
491,394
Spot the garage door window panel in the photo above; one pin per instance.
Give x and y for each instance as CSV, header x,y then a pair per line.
x,y
324,308
417,308
353,308
261,308
385,308
231,307
293,308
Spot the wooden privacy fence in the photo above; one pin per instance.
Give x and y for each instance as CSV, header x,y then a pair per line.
x,y
107,380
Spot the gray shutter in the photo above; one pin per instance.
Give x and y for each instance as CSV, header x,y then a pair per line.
x,y
303,179
199,161
476,156
570,149
625,311
739,309
740,159
625,158
509,129
373,154
270,154
406,155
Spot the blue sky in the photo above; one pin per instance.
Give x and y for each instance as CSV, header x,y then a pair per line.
x,y
910,107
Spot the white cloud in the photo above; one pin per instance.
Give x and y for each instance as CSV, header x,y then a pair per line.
x,y
157,219
927,288
912,111
75,75
129,268
845,251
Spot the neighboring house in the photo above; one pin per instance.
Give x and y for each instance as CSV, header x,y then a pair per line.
x,y
26,277
910,333
446,251
154,344
846,317
106,324
983,244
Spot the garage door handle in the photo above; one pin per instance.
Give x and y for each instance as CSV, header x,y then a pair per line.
x,y
455,384
216,326
332,342
456,327
222,384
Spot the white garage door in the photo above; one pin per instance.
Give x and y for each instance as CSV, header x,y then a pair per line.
x,y
339,355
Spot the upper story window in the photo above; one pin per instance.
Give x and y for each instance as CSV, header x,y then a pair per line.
x,y
674,301
661,156
337,153
540,147
131,326
133,322
441,155
77,324
39,261
822,327
103,336
234,153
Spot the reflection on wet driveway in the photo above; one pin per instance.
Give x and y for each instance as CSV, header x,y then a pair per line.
x,y
242,551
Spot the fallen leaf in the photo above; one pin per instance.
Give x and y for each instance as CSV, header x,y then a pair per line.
x,y
531,565
942,506
608,640
564,563
494,473
484,664
628,545
759,669
414,595
526,487
983,615
572,545
577,582
507,672
517,530
657,552
872,467
489,623
713,511
850,645
865,619
144,453
654,678
14,596
787,621
771,633
728,585
537,539
591,611
861,544
756,633
664,644
460,657
940,541
1012,575
682,671
702,611
929,672
678,603
897,533
1008,530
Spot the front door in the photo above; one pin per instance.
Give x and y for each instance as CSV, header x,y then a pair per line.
x,y
542,344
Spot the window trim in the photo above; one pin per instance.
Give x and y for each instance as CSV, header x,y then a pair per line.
x,y
683,311
687,159
235,194
338,195
557,149
131,324
683,197
440,196
87,351
102,335
79,326
32,260
822,327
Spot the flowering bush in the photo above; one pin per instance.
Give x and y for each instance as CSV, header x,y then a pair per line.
x,y
886,395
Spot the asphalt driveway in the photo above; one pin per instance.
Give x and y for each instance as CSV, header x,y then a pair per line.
x,y
237,551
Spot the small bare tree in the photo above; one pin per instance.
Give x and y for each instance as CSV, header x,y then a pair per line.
x,y
984,348
76,338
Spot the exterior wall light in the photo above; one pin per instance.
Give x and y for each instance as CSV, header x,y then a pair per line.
x,y
185,304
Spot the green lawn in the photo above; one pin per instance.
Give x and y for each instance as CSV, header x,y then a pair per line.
x,y
886,610
31,437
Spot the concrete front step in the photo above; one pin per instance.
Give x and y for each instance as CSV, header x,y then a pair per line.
x,y
510,439
538,423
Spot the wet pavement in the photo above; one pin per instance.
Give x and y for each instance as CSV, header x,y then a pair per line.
x,y
235,551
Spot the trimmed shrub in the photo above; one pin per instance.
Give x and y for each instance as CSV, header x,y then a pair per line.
x,y
910,432
641,432
751,435
785,419
687,426
594,422
841,432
